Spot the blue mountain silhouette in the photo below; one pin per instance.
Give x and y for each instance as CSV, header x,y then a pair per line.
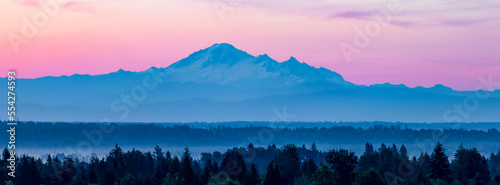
x,y
223,83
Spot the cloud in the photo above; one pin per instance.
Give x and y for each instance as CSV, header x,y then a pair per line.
x,y
351,15
78,6
450,22
415,14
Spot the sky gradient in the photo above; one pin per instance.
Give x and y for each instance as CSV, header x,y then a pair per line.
x,y
426,42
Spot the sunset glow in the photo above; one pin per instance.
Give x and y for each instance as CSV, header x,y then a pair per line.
x,y
423,44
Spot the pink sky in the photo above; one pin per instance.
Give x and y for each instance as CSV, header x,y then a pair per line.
x,y
427,42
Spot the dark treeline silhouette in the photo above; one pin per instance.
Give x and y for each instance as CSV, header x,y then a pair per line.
x,y
287,165
49,135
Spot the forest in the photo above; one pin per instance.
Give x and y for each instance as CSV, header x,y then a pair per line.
x,y
58,136
271,165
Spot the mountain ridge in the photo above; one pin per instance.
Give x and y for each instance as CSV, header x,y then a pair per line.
x,y
223,83
227,46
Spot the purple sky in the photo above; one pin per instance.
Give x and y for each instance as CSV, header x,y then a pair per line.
x,y
418,43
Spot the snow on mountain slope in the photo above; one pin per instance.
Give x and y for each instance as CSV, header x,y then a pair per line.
x,y
223,63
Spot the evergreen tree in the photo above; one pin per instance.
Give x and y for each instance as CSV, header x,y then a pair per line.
x,y
423,162
49,175
173,180
309,167
273,176
68,170
196,168
369,159
468,163
343,164
370,177
250,147
234,164
386,156
116,163
5,155
302,180
314,148
82,175
394,150
222,178
323,176
315,153
403,152
187,172
92,174
288,162
158,154
439,164
161,171
27,172
127,180
149,163
252,177
468,167
421,178
207,172
174,167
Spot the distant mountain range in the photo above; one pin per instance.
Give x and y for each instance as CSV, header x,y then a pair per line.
x,y
222,83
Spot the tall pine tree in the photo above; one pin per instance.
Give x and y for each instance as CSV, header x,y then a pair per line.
x,y
439,165
187,172
272,175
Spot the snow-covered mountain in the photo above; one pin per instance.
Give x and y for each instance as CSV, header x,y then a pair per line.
x,y
223,83
223,64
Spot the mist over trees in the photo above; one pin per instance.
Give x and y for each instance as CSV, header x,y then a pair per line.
x,y
58,136
256,155
287,165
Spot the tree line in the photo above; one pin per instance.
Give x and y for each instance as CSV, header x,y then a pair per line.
x,y
48,135
287,165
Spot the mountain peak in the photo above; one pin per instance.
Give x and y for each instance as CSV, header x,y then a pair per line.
x,y
387,84
264,57
217,54
121,71
226,50
223,63
222,45
441,87
292,60
221,49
